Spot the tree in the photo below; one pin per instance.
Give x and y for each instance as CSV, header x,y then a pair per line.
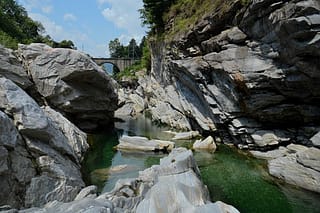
x,y
64,44
143,43
152,14
116,49
14,21
145,54
133,49
17,27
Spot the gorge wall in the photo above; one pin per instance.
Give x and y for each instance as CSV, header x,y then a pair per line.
x,y
246,74
251,70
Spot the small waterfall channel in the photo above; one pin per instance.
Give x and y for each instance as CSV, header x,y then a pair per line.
x,y
232,176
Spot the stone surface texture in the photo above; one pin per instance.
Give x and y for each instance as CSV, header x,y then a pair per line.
x,y
248,75
172,186
72,83
40,148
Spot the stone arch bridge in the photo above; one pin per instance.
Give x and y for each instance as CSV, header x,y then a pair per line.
x,y
120,63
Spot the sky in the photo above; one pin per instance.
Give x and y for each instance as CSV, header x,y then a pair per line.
x,y
90,24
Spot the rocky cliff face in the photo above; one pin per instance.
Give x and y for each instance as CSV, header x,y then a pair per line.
x,y
40,149
248,76
250,70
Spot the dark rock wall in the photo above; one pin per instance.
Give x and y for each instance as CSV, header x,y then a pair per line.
x,y
255,67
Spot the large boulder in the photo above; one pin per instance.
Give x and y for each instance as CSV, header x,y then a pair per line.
x,y
30,119
316,140
40,152
72,83
300,168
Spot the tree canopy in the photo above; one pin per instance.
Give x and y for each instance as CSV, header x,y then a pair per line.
x,y
132,50
152,13
17,27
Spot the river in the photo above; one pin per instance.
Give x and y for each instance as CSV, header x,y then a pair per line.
x,y
232,176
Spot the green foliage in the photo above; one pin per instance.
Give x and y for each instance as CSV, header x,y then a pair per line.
x,y
146,56
129,72
64,44
184,14
152,14
8,41
118,50
17,27
143,64
132,50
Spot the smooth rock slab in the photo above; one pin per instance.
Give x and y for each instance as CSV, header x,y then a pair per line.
x,y
89,191
207,144
86,205
310,158
136,143
282,151
292,172
185,135
179,193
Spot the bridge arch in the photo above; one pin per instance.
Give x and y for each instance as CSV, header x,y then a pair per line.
x,y
120,63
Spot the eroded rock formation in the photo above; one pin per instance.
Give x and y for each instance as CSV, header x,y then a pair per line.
x,y
41,89
71,82
248,75
172,186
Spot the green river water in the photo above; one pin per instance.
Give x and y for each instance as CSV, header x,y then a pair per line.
x,y
232,175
